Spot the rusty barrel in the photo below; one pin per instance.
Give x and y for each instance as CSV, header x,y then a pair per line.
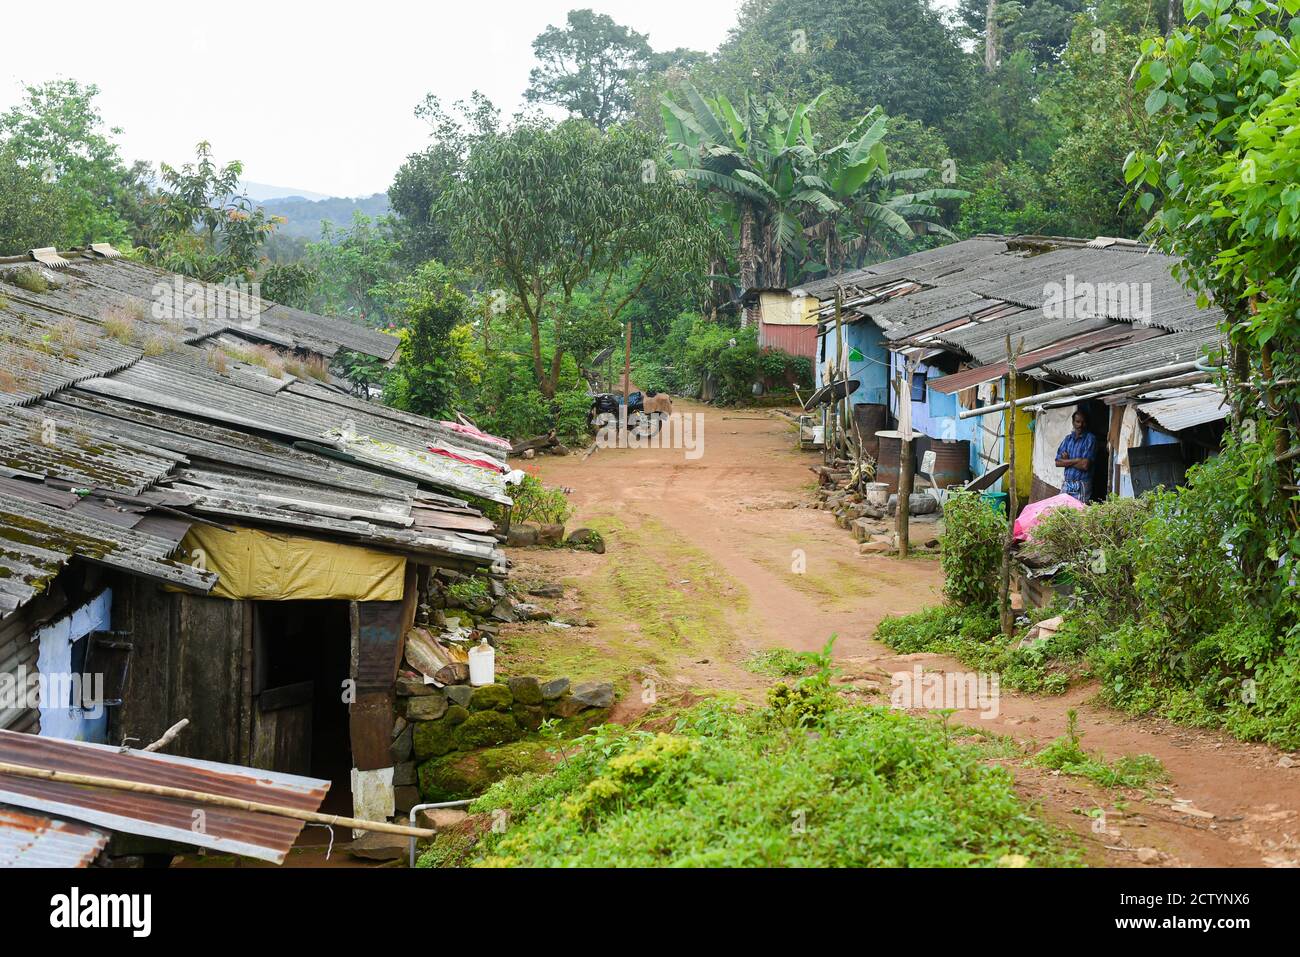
x,y
887,461
870,418
951,462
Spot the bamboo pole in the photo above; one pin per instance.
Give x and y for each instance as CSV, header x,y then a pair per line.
x,y
217,800
904,516
1008,621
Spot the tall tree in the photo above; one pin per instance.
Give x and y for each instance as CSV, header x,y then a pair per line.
x,y
554,209
33,212
57,130
587,67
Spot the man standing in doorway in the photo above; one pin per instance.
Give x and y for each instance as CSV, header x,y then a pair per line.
x,y
1075,455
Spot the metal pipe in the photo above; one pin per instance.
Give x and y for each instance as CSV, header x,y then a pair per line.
x,y
424,807
1154,385
1163,372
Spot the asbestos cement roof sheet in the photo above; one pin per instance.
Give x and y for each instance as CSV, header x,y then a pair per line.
x,y
1187,409
37,539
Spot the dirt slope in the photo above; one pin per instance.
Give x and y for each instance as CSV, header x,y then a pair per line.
x,y
703,570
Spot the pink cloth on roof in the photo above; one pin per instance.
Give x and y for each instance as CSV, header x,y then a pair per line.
x,y
1034,512
477,433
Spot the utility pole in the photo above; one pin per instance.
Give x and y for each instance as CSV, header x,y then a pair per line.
x,y
905,465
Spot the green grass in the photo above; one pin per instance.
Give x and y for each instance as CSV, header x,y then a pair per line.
x,y
1067,755
974,637
861,787
778,663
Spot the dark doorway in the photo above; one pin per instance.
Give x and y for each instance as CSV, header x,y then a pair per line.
x,y
302,655
1098,414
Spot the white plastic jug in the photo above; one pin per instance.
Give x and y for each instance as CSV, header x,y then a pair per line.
x,y
482,664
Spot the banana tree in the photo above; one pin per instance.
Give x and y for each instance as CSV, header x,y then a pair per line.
x,y
763,160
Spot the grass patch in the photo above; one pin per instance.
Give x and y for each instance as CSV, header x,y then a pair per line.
x,y
778,663
974,637
1067,755
859,787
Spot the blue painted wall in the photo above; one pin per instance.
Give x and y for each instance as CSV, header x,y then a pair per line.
x,y
937,415
872,371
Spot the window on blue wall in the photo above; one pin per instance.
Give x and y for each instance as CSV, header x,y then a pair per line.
x,y
918,386
942,405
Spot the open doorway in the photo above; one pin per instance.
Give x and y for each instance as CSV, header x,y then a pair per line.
x,y
1098,414
302,655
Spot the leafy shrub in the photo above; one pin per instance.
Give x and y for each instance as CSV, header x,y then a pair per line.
x,y
1098,549
534,502
871,788
972,550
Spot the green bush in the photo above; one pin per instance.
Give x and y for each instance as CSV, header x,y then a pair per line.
x,y
1098,549
972,550
870,788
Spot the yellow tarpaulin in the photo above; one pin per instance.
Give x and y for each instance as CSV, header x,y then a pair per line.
x,y
257,565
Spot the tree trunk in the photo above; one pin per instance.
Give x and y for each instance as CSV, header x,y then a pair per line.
x,y
991,36
748,260
1008,619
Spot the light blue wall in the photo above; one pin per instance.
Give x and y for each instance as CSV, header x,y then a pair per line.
x,y
937,416
872,371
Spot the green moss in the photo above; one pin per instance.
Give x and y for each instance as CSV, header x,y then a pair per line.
x,y
434,738
491,698
458,776
485,728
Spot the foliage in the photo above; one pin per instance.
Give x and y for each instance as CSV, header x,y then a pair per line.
x,y
359,369
201,225
972,550
57,136
33,211
1097,548
587,67
729,789
549,207
1223,93
436,360
534,502
1068,756
357,271
468,592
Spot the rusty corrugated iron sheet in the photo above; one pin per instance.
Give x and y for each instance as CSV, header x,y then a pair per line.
x,y
34,840
250,834
794,340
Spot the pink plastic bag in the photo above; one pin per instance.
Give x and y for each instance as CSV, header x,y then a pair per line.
x,y
1034,512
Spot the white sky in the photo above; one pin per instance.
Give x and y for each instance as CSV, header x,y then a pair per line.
x,y
319,95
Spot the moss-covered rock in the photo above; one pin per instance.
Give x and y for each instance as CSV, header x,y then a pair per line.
x,y
456,715
528,716
526,690
433,738
484,729
491,698
466,775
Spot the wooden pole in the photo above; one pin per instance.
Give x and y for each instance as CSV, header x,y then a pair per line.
x,y
905,472
627,364
217,800
169,735
1008,621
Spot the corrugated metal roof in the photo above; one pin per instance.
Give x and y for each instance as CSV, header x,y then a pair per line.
x,y
46,443
1187,408
258,835
37,539
34,840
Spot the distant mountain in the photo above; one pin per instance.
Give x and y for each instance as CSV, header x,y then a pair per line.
x,y
258,192
304,215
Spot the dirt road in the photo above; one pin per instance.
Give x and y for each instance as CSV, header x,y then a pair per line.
x,y
709,561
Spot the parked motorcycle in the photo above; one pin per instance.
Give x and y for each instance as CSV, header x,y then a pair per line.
x,y
605,409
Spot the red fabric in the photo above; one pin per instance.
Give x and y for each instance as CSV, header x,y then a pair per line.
x,y
1034,512
481,463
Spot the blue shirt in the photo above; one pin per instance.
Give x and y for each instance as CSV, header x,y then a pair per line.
x,y
1077,447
